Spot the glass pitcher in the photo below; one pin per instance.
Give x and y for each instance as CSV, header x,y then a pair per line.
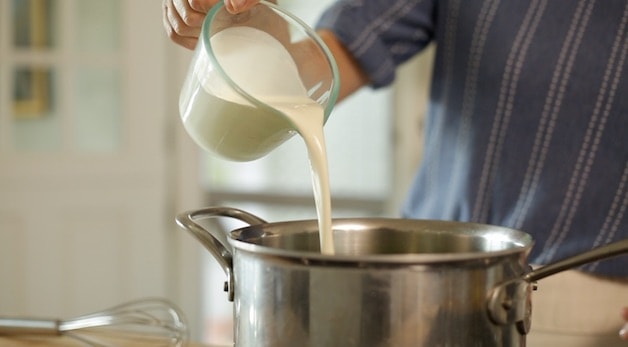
x,y
232,117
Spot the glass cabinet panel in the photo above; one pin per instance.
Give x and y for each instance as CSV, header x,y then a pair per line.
x,y
98,26
97,117
36,125
61,61
31,91
33,23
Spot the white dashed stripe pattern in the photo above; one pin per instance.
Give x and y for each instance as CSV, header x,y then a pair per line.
x,y
589,147
528,113
503,113
615,214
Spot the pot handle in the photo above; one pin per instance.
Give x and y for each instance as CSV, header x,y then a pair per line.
x,y
509,302
211,239
607,251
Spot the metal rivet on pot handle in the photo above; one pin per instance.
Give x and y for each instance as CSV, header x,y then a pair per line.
x,y
510,303
211,240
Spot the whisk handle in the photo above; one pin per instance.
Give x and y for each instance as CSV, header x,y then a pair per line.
x,y
29,326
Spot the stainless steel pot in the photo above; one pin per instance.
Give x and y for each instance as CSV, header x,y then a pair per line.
x,y
392,282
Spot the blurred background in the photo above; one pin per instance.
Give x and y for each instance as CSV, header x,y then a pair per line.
x,y
95,164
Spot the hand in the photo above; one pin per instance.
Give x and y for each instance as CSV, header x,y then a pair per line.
x,y
183,19
623,333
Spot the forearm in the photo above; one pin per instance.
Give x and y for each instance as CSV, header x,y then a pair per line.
x,y
352,77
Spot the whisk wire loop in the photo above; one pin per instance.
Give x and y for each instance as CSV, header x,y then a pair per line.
x,y
152,320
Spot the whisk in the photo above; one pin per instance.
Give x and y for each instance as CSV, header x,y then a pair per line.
x,y
154,321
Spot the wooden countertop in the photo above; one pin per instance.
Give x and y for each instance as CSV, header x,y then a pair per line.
x,y
67,342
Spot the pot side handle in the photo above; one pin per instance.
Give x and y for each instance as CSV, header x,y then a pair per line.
x,y
211,239
607,251
509,302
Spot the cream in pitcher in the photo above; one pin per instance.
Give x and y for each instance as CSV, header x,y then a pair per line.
x,y
222,119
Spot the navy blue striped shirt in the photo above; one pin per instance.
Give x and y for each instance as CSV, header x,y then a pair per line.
x,y
528,113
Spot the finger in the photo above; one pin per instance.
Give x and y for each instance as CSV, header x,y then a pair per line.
x,y
172,22
189,16
202,5
237,6
178,24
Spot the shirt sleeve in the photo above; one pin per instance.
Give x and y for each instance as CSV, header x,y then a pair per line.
x,y
381,34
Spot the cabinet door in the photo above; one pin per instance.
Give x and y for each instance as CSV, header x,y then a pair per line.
x,y
83,214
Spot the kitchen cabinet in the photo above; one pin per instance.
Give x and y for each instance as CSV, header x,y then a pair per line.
x,y
87,194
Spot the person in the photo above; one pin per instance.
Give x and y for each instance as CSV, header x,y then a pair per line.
x,y
623,333
526,129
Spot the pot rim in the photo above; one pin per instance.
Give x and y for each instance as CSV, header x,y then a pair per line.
x,y
521,242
